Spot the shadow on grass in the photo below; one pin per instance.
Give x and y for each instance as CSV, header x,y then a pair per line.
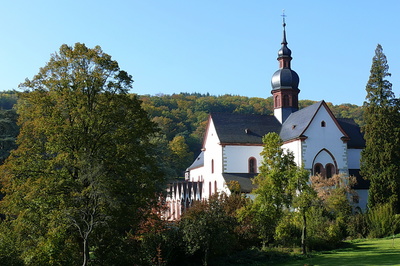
x,y
256,257
365,252
361,252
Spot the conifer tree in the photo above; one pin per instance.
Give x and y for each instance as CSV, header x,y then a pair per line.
x,y
380,159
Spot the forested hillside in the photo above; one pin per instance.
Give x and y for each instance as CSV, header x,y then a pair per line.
x,y
186,114
181,117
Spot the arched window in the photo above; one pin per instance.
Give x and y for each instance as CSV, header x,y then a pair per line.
x,y
285,100
277,101
330,170
252,165
328,160
212,166
318,169
323,124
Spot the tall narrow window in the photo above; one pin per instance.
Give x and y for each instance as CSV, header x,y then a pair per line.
x,y
285,101
330,170
277,101
215,187
318,169
209,189
252,165
212,166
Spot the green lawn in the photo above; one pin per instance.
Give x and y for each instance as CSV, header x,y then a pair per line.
x,y
361,252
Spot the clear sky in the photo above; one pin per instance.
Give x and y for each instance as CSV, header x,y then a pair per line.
x,y
215,46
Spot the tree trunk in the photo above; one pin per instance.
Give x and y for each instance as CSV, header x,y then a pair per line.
x,y
85,252
205,263
304,235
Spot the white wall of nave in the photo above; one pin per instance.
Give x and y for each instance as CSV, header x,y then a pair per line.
x,y
236,158
296,148
327,137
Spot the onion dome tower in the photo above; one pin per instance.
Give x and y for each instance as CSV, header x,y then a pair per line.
x,y
285,83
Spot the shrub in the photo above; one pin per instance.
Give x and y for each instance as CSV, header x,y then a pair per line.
x,y
288,230
207,230
357,226
382,221
323,233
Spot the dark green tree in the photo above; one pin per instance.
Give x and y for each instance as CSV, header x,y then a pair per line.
x,y
84,165
8,132
208,228
281,187
380,159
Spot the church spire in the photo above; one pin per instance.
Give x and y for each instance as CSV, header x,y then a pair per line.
x,y
284,54
285,82
284,42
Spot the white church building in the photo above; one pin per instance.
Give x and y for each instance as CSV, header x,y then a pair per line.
x,y
232,143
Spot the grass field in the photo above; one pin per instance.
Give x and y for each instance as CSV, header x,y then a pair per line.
x,y
361,252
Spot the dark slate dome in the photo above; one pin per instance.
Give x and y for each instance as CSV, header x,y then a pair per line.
x,y
285,78
284,51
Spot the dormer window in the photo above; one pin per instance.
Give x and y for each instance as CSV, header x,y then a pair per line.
x,y
323,124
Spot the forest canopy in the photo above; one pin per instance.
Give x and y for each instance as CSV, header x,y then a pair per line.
x,y
185,115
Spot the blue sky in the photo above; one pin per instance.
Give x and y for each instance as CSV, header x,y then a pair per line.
x,y
215,46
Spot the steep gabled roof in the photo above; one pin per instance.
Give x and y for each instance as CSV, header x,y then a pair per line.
x,y
249,129
198,162
357,140
243,128
244,179
295,125
298,122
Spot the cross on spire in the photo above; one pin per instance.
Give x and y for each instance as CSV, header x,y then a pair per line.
x,y
283,17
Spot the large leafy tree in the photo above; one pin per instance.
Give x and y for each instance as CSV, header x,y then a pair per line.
x,y
180,157
381,157
84,164
208,227
8,132
281,186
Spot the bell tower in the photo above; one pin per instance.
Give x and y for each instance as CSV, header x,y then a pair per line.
x,y
285,83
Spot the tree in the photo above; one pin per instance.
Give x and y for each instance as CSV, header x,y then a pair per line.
x,y
84,164
283,191
181,157
208,229
8,132
380,159
275,187
273,193
303,197
334,208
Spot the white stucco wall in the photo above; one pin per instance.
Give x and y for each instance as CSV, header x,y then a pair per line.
x,y
236,158
196,174
296,148
278,114
213,152
354,156
328,138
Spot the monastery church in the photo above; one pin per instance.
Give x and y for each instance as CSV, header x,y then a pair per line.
x,y
232,143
